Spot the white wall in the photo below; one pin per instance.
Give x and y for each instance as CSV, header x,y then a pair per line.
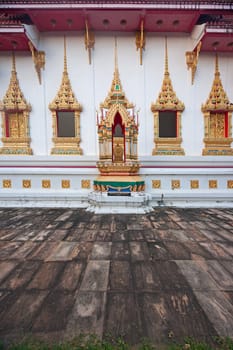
x,y
91,84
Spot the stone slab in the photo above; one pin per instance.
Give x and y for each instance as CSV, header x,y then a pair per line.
x,y
87,316
101,251
96,276
62,252
218,310
46,276
55,312
21,275
173,316
122,317
5,268
120,276
20,314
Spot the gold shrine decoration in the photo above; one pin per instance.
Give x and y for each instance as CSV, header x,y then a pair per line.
x,y
15,118
192,60
117,150
89,40
217,119
38,59
141,40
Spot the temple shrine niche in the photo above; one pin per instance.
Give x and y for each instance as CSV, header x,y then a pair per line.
x,y
217,119
167,118
66,117
15,119
118,140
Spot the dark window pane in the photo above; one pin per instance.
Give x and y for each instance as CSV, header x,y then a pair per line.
x,y
65,124
167,124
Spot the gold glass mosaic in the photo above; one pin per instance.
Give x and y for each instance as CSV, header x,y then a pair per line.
x,y
65,183
230,184
213,184
46,183
194,184
86,184
26,183
175,184
156,184
6,183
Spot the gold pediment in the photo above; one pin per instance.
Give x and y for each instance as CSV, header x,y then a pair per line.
x,y
217,99
14,99
167,98
65,98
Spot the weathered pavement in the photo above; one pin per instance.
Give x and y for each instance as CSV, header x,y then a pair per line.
x,y
165,274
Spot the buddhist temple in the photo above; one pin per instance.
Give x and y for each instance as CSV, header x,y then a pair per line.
x,y
116,106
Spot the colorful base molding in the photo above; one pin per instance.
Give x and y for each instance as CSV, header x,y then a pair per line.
x,y
16,151
135,183
217,152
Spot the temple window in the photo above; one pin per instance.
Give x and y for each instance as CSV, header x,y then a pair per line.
x,y
15,117
65,124
217,119
167,118
66,118
167,124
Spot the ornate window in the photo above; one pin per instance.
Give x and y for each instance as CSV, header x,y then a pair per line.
x,y
66,117
15,117
167,118
217,119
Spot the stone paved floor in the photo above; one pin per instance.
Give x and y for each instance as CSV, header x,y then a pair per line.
x,y
67,271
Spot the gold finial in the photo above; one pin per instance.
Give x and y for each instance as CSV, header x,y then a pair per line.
x,y
116,60
65,56
13,62
116,84
166,58
216,65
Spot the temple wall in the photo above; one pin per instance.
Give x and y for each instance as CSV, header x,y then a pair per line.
x,y
91,84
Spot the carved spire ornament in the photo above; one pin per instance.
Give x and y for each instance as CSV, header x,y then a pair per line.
x,y
65,98
15,117
217,99
217,119
167,98
14,98
167,115
116,94
65,105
